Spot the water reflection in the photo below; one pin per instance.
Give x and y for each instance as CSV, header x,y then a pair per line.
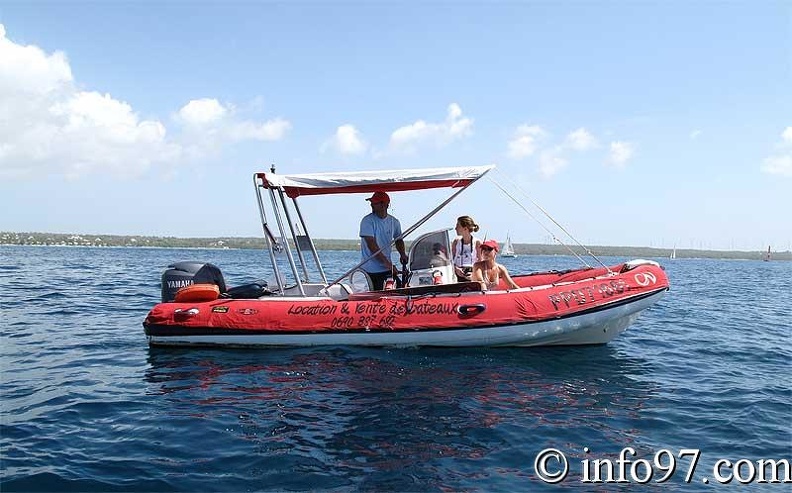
x,y
393,419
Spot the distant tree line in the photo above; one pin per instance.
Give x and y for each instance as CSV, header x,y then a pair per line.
x,y
92,240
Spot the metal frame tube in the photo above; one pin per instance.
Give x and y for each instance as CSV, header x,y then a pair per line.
x,y
294,235
310,240
282,230
268,237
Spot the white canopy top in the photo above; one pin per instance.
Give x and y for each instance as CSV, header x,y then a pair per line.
x,y
373,181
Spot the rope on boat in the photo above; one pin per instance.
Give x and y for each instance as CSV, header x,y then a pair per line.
x,y
550,232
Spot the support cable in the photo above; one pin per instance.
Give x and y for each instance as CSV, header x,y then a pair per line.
x,y
535,204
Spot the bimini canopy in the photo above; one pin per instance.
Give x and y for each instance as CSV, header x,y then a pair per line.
x,y
372,181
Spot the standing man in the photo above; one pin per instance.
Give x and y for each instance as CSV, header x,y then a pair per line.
x,y
378,230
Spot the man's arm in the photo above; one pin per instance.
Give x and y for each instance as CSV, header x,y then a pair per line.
x,y
506,277
400,247
372,245
478,275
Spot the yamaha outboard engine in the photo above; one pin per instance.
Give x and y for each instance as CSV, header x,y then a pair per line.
x,y
183,274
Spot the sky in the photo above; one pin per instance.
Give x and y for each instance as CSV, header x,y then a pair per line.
x,y
633,123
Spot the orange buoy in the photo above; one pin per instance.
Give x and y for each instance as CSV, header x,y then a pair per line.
x,y
197,293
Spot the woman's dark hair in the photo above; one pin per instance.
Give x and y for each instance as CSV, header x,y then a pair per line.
x,y
468,222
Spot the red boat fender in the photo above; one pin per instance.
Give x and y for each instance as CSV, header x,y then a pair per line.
x,y
195,293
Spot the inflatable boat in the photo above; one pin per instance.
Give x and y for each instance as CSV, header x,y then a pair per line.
x,y
589,305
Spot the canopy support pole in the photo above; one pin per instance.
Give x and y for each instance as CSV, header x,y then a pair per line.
x,y
310,241
279,220
272,243
294,237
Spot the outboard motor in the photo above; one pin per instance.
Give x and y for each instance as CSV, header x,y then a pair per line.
x,y
181,274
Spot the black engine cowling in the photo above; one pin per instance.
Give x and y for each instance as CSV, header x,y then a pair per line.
x,y
181,274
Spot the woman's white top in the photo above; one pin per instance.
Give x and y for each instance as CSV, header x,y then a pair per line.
x,y
465,254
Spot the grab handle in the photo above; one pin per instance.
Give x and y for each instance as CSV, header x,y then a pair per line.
x,y
470,310
181,314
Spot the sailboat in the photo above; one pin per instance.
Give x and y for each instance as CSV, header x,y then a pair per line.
x,y
673,254
767,255
508,248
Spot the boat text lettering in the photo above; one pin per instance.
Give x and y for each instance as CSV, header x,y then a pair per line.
x,y
345,322
578,296
364,322
312,310
607,289
384,316
183,283
425,308
371,309
586,294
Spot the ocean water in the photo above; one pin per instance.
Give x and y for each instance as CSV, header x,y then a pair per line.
x,y
86,405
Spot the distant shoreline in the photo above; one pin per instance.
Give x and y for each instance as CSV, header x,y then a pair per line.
x,y
130,241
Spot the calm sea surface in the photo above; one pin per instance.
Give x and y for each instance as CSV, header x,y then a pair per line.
x,y
88,406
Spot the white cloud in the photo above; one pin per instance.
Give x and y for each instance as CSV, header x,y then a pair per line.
x,y
526,141
620,153
581,140
200,112
347,140
48,126
551,162
786,135
529,140
28,71
455,126
781,162
778,165
695,134
270,130
209,123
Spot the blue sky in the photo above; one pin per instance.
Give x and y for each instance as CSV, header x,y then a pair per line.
x,y
633,123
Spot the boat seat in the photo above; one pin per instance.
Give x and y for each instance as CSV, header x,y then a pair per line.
x,y
360,281
338,291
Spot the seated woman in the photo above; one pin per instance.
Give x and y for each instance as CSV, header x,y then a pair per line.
x,y
488,272
465,248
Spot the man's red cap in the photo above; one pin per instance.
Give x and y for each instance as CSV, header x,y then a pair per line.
x,y
379,197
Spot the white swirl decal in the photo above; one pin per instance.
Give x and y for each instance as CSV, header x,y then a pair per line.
x,y
645,278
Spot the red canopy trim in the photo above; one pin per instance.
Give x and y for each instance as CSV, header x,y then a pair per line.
x,y
369,182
